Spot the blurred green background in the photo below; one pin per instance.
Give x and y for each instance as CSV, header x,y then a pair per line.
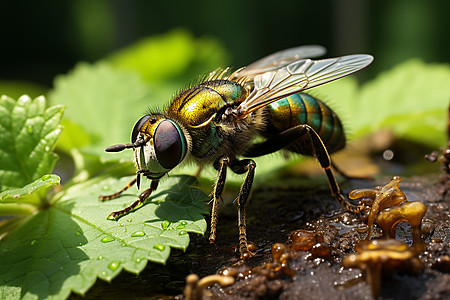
x,y
41,39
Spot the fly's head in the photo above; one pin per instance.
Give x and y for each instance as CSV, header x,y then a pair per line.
x,y
159,145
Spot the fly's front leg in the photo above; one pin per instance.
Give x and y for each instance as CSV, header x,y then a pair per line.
x,y
115,195
246,165
136,204
217,195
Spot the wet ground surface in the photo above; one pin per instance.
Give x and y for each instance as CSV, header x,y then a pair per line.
x,y
273,214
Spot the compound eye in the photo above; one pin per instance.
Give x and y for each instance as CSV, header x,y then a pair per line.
x,y
170,144
138,126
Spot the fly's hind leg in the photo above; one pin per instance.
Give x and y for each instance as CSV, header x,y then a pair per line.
x,y
321,153
289,136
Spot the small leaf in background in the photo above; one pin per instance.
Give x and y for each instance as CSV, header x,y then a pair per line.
x,y
28,134
176,56
102,105
67,246
26,200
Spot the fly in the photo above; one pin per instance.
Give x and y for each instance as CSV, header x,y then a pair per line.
x,y
216,122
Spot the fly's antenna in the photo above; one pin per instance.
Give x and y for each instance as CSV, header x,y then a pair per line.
x,y
120,147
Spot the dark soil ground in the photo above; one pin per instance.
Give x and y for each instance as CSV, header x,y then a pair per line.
x,y
272,215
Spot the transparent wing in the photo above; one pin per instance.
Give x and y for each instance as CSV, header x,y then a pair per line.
x,y
277,60
299,76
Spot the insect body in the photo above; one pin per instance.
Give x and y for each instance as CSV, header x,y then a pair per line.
x,y
216,122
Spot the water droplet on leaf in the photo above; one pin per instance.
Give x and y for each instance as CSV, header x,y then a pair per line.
x,y
107,239
159,247
165,224
138,233
33,242
114,265
182,232
180,226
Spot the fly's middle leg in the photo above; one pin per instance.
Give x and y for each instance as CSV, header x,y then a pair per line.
x,y
246,165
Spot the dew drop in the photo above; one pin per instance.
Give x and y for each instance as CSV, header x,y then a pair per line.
x,y
107,239
159,247
100,257
182,232
103,273
180,226
183,223
138,260
121,224
33,242
130,220
47,148
77,233
30,129
124,244
138,234
105,188
165,224
114,265
45,177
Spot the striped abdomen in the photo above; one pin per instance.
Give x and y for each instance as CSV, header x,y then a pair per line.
x,y
302,108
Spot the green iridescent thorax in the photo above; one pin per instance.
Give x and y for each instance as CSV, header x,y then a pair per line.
x,y
198,104
196,109
302,108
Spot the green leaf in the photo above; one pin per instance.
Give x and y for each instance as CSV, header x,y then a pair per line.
x,y
66,247
28,133
28,199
